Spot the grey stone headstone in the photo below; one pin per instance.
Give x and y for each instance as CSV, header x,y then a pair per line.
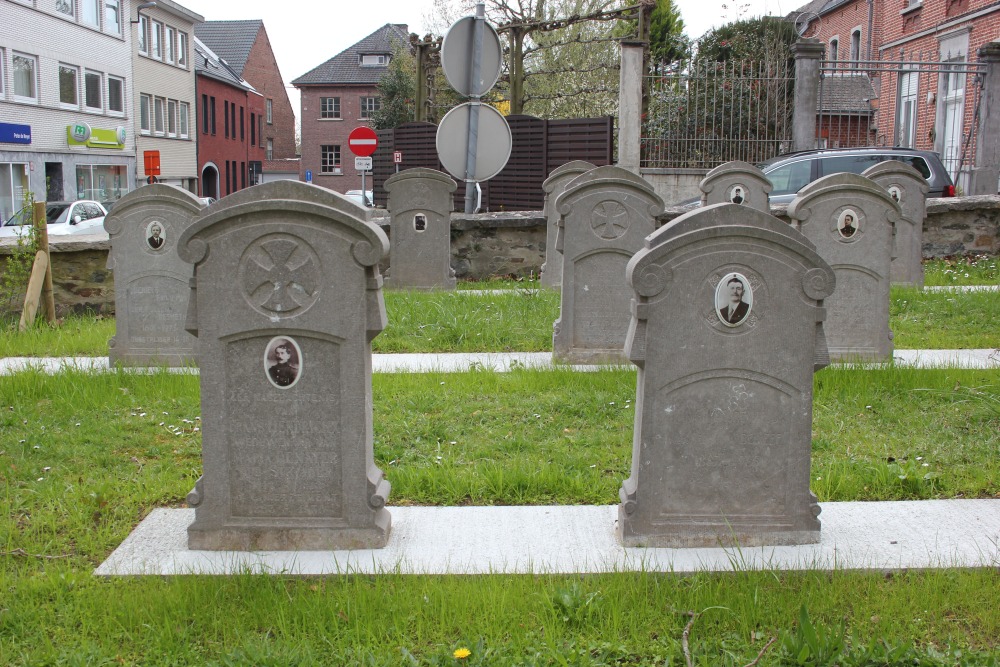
x,y
851,220
151,280
908,188
554,186
736,182
723,415
420,201
605,215
286,301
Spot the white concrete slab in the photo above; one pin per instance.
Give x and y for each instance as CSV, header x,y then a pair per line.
x,y
948,358
963,288
568,539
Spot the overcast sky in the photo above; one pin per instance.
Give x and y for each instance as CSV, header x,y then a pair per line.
x,y
307,33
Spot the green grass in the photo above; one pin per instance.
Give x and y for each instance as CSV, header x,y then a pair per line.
x,y
944,320
86,456
968,270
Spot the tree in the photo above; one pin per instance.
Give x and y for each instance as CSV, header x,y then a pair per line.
x,y
396,91
667,42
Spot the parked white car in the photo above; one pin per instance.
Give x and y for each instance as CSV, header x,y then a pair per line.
x,y
355,196
64,217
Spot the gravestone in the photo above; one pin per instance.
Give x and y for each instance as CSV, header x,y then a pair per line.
x,y
554,186
726,330
736,182
604,216
420,201
151,280
908,188
286,300
851,220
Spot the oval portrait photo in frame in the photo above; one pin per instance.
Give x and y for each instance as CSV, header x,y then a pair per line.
x,y
282,362
847,223
156,235
738,194
733,299
896,193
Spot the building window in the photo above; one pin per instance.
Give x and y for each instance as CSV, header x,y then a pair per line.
x,y
253,129
260,129
374,59
834,49
25,78
270,109
68,85
113,17
225,118
116,94
329,107
329,159
93,93
907,105
243,127
232,117
212,105
143,34
855,47
171,118
3,60
90,12
369,105
243,174
66,7
168,46
269,152
158,115
182,49
204,114
157,40
144,102
183,112
102,182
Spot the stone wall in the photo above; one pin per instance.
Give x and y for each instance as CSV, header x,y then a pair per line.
x,y
500,244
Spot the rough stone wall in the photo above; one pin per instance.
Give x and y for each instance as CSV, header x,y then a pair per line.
x,y
500,244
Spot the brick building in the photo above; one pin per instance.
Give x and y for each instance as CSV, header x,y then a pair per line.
x,y
337,97
245,47
230,119
915,54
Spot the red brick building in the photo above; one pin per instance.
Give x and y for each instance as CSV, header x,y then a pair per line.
x,y
337,97
246,49
230,118
915,54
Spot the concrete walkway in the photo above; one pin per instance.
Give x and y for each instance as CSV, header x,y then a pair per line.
x,y
496,361
567,539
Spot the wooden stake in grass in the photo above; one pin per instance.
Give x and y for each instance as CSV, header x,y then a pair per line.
x,y
40,283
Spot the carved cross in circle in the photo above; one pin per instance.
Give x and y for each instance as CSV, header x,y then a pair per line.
x,y
282,278
609,219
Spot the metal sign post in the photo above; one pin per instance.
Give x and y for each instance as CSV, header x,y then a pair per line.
x,y
473,139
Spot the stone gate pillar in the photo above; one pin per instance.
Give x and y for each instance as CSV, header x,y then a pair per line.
x,y
630,106
808,54
986,171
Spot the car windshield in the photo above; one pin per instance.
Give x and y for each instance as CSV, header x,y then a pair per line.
x,y
22,217
56,213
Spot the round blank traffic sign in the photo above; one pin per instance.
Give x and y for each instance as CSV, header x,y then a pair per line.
x,y
456,57
492,149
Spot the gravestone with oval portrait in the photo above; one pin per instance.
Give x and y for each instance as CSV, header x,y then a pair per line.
x,y
851,220
286,300
908,188
604,216
736,182
723,415
554,186
420,201
151,280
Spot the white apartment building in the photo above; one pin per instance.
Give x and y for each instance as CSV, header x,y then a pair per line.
x,y
164,94
65,101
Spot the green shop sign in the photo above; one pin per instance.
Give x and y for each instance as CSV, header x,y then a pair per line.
x,y
81,134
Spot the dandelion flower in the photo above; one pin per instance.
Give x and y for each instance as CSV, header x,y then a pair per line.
x,y
462,653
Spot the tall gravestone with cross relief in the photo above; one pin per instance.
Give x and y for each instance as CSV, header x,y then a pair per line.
x,y
420,201
286,301
908,188
852,219
151,279
604,216
723,415
554,186
736,182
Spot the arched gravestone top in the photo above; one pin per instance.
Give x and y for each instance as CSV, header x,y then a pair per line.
x,y
852,221
608,177
438,177
721,449
908,188
151,280
554,186
736,182
280,196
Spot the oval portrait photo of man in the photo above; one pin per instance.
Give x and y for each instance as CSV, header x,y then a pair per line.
x,y
155,237
733,299
847,223
282,362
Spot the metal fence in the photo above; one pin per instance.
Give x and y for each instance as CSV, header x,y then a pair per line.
x,y
884,103
712,112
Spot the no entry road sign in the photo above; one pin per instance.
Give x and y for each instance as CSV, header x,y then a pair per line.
x,y
362,141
